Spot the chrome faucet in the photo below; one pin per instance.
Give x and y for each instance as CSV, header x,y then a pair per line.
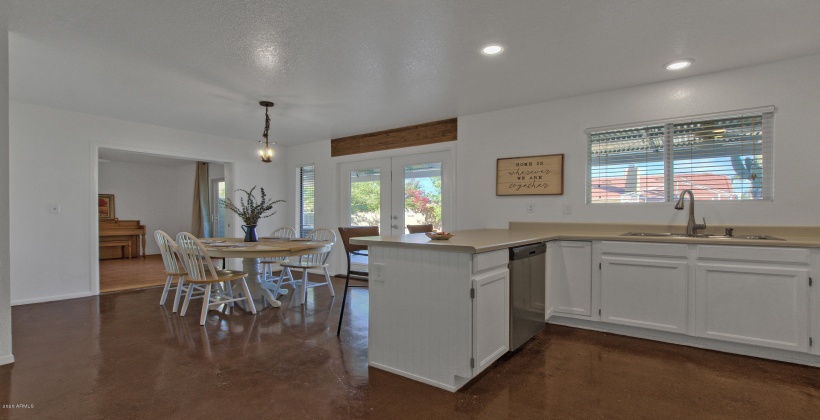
x,y
692,228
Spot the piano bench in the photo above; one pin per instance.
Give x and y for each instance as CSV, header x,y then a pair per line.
x,y
125,245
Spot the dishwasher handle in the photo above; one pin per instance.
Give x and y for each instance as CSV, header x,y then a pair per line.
x,y
527,251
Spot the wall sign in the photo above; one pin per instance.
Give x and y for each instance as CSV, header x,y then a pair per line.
x,y
532,175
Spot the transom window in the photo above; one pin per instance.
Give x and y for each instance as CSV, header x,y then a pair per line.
x,y
726,156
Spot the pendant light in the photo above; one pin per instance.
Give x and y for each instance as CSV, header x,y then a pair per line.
x,y
265,152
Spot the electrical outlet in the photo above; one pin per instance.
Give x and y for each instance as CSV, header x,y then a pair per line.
x,y
567,208
530,207
54,208
378,272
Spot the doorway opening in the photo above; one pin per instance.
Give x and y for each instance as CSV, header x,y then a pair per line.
x,y
148,192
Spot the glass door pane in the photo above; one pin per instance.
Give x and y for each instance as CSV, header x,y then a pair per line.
x,y
422,194
365,197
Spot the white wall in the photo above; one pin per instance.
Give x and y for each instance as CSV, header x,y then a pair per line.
x,y
327,192
5,158
558,127
53,156
159,196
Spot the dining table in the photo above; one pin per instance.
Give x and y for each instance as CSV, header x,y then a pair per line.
x,y
261,287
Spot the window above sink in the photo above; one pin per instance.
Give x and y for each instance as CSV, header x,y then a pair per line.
x,y
724,156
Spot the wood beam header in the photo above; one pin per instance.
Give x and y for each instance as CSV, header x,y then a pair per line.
x,y
414,135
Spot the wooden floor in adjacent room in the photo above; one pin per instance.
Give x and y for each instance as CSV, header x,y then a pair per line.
x,y
131,273
122,355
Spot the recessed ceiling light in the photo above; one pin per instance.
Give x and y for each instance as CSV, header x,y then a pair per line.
x,y
678,64
492,49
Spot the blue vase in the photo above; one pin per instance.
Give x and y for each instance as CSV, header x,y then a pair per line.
x,y
250,233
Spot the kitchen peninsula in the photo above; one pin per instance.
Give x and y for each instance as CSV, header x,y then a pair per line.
x,y
439,310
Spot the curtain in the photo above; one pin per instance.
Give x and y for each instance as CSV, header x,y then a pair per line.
x,y
201,215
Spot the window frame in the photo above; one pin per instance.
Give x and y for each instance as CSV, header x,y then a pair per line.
x,y
300,202
767,150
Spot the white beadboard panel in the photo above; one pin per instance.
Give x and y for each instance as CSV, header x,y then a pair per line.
x,y
423,304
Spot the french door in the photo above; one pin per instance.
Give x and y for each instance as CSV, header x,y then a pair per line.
x,y
392,193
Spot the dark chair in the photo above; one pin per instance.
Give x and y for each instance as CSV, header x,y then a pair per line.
x,y
419,228
346,233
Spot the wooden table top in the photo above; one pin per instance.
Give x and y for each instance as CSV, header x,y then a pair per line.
x,y
266,247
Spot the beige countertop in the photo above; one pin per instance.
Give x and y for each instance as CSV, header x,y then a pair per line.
x,y
521,233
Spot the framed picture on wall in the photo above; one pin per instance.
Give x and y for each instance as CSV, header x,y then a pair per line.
x,y
105,206
531,175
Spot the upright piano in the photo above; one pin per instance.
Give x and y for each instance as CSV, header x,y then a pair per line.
x,y
122,230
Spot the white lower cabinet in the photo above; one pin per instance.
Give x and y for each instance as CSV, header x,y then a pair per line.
x,y
645,292
437,316
814,305
753,296
569,275
491,322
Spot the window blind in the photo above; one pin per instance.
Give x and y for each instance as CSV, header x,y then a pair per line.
x,y
726,156
306,199
627,165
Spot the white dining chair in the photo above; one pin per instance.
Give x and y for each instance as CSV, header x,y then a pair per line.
x,y
173,267
267,264
308,262
201,271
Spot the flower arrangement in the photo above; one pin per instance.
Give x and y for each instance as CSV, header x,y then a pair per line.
x,y
250,210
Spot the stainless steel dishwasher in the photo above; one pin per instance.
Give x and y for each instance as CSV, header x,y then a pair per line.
x,y
527,292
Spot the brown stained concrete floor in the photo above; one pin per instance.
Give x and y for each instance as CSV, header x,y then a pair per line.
x,y
121,355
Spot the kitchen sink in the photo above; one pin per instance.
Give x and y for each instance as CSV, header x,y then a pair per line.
x,y
701,235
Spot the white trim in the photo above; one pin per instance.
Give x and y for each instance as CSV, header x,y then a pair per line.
x,y
8,359
663,121
691,341
53,298
94,254
421,379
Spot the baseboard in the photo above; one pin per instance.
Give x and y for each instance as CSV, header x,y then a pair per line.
x,y
691,341
51,298
417,378
7,359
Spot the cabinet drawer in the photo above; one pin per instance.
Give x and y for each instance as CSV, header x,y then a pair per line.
x,y
644,248
756,254
487,260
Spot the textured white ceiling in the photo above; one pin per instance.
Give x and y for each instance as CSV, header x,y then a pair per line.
x,y
339,68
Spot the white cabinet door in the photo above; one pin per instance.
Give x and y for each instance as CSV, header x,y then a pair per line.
x,y
815,318
569,277
644,292
814,312
764,305
491,318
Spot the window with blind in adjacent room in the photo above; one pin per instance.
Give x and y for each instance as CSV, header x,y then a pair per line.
x,y
306,205
725,156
